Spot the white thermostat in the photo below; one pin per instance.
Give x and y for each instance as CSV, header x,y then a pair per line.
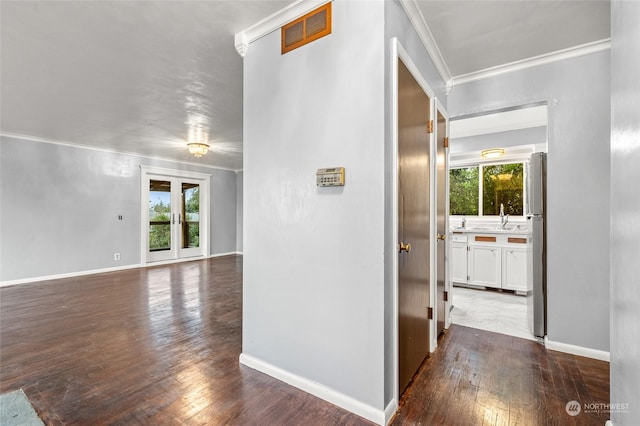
x,y
330,177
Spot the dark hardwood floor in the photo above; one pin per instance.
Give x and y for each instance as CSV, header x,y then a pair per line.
x,y
150,346
160,345
477,377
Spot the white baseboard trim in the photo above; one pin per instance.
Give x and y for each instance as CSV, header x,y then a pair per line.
x,y
229,253
390,411
576,350
315,389
113,269
68,275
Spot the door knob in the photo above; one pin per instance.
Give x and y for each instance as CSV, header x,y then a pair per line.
x,y
404,247
441,237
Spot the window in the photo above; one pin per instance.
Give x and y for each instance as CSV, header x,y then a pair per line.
x,y
479,190
463,191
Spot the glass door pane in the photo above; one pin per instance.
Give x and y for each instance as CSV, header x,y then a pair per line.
x,y
159,216
176,217
190,223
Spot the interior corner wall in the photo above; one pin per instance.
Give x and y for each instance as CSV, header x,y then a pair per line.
x,y
397,25
313,256
578,176
59,208
625,212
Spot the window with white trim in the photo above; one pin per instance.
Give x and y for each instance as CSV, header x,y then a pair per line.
x,y
480,189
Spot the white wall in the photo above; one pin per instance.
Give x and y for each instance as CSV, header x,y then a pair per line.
x,y
59,207
313,257
530,136
577,92
239,210
625,211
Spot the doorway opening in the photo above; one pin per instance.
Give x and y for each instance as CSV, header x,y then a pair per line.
x,y
175,211
494,212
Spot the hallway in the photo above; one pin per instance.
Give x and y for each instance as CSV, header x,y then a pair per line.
x,y
160,345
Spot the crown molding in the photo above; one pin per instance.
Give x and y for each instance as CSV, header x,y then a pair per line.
x,y
273,22
547,58
108,151
416,17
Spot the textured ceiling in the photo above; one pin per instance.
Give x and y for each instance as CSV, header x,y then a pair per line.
x,y
134,76
131,76
476,35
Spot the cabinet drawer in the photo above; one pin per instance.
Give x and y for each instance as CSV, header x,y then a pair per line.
x,y
458,237
517,240
485,239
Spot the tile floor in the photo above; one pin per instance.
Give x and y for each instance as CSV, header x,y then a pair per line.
x,y
490,310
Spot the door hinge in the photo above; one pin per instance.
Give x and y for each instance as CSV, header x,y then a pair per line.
x,y
430,126
430,313
446,296
445,143
468,277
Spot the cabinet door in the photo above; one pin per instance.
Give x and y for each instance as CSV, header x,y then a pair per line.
x,y
514,269
485,266
459,262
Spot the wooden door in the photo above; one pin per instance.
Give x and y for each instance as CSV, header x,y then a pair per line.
x,y
413,225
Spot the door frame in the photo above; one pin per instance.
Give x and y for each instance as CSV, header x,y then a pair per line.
x,y
203,179
439,107
399,53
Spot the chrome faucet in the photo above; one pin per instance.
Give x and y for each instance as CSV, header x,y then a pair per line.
x,y
464,222
504,219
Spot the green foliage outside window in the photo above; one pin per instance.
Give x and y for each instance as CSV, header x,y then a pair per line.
x,y
501,184
192,207
160,230
463,191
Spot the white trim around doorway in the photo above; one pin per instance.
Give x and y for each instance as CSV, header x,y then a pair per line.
x,y
399,53
204,181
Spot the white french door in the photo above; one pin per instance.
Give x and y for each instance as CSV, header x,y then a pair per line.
x,y
174,214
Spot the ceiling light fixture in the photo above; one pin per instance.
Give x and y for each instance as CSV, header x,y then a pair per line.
x,y
198,140
492,153
198,149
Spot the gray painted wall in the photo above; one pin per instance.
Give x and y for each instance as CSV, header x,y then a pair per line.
x,y
59,206
397,25
239,210
625,211
577,92
313,257
530,136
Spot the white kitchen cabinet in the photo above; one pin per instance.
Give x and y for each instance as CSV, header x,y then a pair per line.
x,y
490,259
485,265
514,268
458,262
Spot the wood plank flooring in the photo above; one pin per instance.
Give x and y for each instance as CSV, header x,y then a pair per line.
x,y
478,377
150,346
160,346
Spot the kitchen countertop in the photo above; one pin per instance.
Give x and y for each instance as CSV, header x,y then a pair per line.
x,y
515,229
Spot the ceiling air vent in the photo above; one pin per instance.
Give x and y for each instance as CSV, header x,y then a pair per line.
x,y
310,27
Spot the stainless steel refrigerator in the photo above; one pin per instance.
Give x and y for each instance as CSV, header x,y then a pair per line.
x,y
537,262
